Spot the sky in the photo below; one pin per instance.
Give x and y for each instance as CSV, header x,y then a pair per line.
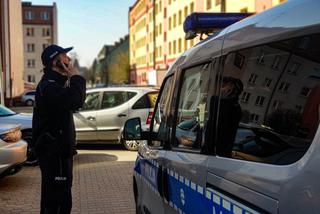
x,y
87,25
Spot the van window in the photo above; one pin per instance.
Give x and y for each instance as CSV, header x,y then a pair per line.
x,y
270,101
192,107
160,126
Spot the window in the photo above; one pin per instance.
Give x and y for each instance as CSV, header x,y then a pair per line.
x,y
30,32
159,125
45,15
170,23
276,62
284,86
31,78
277,104
260,100
192,7
146,101
30,48
179,45
185,11
170,48
31,63
244,10
252,79
46,32
180,17
174,46
245,97
218,2
91,102
209,4
284,110
294,68
112,99
29,15
267,82
192,107
254,118
174,20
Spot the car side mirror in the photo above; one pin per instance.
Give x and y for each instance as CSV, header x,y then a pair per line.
x,y
133,131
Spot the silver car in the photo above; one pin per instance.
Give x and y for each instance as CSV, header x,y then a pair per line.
x,y
13,150
105,111
28,98
7,116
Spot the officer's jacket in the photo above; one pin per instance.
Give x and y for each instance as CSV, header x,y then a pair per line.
x,y
55,102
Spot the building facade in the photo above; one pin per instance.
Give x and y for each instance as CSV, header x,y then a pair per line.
x,y
11,50
39,31
157,36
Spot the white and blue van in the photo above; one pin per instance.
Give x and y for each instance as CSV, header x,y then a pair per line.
x,y
236,124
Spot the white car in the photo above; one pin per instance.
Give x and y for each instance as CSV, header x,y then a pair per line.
x,y
102,118
7,116
13,150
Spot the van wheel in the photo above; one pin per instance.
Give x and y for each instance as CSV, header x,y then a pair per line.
x,y
131,145
29,102
31,158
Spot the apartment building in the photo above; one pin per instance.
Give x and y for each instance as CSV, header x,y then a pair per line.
x,y
39,31
157,36
11,50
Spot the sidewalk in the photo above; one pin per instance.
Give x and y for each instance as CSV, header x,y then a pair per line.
x,y
102,184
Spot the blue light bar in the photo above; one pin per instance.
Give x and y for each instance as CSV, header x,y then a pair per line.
x,y
205,23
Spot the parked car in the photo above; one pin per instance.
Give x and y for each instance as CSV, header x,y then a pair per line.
x,y
28,98
105,110
7,116
13,150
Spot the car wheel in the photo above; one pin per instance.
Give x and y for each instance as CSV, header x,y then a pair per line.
x,y
31,158
29,102
131,145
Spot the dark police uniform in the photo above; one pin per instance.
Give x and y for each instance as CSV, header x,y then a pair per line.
x,y
54,137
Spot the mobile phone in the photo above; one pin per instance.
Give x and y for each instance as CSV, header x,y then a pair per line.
x,y
62,65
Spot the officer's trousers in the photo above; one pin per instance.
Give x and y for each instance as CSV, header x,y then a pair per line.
x,y
56,183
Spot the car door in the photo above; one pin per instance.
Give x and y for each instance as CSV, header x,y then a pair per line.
x,y
184,164
151,155
85,118
112,115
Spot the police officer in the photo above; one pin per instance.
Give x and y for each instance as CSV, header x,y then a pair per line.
x,y
60,92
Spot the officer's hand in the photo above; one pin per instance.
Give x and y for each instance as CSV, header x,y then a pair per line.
x,y
72,71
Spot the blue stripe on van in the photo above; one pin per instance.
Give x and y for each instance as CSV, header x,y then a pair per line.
x,y
186,196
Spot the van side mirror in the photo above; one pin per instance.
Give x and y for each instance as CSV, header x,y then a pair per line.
x,y
132,130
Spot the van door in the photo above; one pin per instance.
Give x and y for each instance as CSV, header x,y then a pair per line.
x,y
149,164
185,166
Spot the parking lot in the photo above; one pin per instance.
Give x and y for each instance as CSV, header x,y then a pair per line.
x,y
102,183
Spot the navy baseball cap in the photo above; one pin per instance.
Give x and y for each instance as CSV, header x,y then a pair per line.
x,y
51,52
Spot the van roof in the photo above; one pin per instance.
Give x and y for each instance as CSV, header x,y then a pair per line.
x,y
288,20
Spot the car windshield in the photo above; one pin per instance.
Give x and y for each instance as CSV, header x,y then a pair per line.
x,y
4,111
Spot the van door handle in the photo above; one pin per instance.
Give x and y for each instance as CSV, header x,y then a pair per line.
x,y
122,115
91,118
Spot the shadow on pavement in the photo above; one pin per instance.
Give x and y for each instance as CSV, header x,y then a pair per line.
x,y
91,146
94,158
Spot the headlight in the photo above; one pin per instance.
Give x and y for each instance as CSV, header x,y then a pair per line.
x,y
12,136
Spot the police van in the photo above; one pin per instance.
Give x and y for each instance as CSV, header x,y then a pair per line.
x,y
235,126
